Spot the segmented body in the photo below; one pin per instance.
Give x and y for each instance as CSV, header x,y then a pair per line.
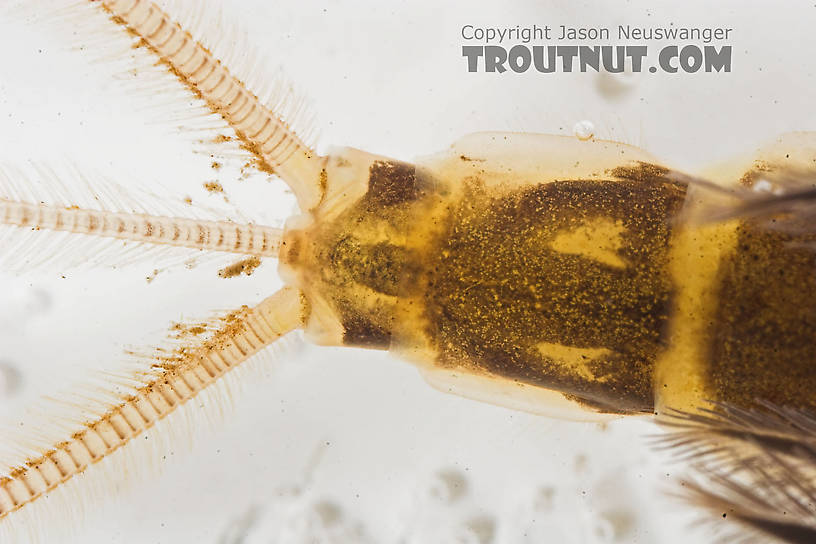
x,y
537,272
569,266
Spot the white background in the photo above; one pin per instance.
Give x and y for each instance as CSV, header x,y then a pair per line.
x,y
372,450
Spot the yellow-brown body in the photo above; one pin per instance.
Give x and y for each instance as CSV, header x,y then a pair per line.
x,y
521,264
532,271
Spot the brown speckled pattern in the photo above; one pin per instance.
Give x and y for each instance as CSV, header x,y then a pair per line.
x,y
497,290
765,325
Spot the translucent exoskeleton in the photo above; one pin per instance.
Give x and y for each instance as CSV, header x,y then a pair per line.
x,y
531,262
579,279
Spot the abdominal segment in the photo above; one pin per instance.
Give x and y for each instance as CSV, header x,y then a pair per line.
x,y
763,344
562,285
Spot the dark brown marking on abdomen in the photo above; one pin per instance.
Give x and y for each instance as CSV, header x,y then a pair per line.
x,y
360,332
764,339
391,183
498,291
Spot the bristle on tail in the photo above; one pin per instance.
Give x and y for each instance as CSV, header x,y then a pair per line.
x,y
175,378
261,130
757,467
42,211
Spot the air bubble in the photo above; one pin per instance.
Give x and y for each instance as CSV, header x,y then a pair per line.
x,y
584,130
762,186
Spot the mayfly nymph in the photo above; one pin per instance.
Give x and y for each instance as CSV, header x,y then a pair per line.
x,y
569,276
